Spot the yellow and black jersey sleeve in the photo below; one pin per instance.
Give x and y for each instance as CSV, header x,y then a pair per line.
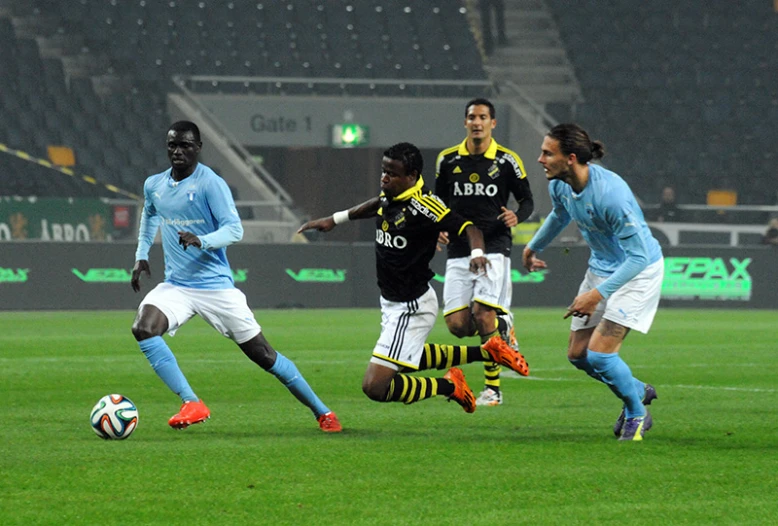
x,y
441,156
514,160
430,206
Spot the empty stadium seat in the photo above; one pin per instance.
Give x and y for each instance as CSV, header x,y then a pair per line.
x,y
146,42
684,72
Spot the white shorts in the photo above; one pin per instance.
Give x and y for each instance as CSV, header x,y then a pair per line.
x,y
226,310
462,287
633,305
404,330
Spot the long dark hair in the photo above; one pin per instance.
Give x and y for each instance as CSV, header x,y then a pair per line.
x,y
574,139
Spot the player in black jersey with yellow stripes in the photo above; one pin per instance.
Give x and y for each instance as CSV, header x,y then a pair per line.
x,y
409,219
476,179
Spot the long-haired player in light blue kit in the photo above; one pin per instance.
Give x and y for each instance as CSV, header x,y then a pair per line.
x,y
196,213
621,288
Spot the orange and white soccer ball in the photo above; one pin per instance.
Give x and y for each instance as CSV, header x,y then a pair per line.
x,y
114,417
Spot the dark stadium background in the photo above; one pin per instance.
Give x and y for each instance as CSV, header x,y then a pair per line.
x,y
682,94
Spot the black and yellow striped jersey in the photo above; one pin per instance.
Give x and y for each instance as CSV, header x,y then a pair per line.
x,y
477,186
407,230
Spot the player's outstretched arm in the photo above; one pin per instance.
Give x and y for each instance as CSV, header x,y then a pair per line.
x,y
141,266
362,211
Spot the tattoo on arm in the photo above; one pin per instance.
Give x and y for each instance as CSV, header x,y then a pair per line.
x,y
613,330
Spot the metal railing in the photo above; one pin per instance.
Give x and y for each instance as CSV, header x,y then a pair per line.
x,y
534,113
261,173
190,82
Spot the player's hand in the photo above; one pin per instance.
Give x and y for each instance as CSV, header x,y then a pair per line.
x,y
140,266
479,264
442,240
508,217
186,239
530,262
584,304
324,224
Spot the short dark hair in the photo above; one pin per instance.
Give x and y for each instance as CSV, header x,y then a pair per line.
x,y
184,126
574,139
408,154
480,101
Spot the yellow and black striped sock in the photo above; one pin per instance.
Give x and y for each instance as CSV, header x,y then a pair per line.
x,y
409,389
439,356
491,369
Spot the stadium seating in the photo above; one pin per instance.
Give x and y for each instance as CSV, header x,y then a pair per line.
x,y
144,43
674,89
681,93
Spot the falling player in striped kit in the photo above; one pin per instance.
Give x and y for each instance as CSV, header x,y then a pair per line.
x,y
409,219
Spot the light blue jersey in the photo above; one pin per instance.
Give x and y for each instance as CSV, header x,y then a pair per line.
x,y
610,221
201,204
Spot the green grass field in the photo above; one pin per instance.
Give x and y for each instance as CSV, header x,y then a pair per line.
x,y
547,456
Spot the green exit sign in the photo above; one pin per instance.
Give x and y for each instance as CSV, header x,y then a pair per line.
x,y
350,135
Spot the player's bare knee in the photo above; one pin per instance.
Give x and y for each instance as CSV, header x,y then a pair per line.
x,y
375,391
576,350
259,351
142,330
484,320
458,329
265,358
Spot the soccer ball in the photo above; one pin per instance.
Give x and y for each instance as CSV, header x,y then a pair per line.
x,y
114,417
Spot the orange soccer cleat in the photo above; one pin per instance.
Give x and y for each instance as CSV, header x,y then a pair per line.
x,y
504,354
329,423
462,395
190,413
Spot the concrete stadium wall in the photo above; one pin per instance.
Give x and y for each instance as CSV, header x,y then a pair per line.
x,y
85,276
304,123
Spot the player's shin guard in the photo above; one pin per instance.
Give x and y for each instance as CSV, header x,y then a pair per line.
x,y
617,375
584,365
286,371
445,357
410,389
165,365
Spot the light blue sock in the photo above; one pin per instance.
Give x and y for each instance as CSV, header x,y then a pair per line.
x,y
164,364
616,374
285,370
584,365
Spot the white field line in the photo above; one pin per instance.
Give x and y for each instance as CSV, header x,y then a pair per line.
x,y
662,366
512,375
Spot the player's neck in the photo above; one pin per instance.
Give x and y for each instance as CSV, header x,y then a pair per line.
x,y
179,176
579,177
478,147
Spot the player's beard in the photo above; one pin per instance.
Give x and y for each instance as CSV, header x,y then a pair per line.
x,y
563,175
